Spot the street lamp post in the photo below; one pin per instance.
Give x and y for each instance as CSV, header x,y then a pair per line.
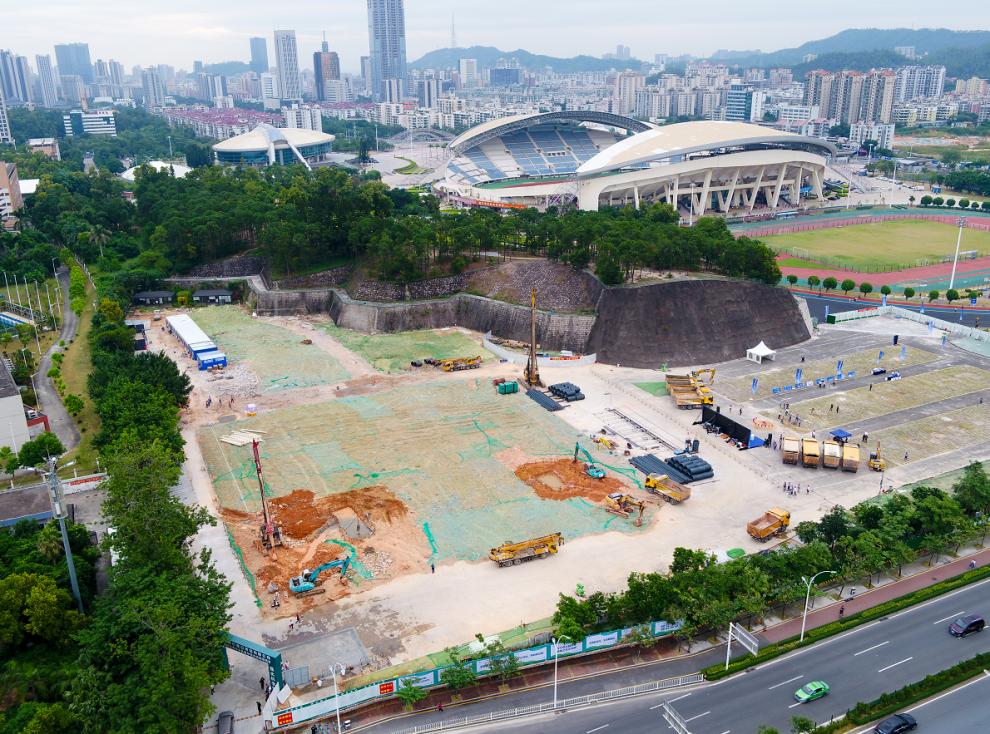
x,y
962,225
555,641
336,694
809,583
58,509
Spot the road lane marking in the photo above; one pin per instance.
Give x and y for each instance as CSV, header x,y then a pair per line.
x,y
697,717
789,680
946,619
871,648
933,700
795,704
727,731
597,728
679,698
659,705
894,665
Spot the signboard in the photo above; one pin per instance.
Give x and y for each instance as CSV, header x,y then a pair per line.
x,y
880,356
797,375
283,718
536,655
756,384
421,680
569,648
386,688
838,366
604,640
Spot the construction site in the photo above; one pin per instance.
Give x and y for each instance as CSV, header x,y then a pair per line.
x,y
390,488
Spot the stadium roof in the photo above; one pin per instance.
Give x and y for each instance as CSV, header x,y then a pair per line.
x,y
493,128
178,169
695,137
265,135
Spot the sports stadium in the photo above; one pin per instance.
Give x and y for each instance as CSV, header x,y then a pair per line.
x,y
597,159
267,145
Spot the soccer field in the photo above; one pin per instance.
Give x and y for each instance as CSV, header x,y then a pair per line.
x,y
897,244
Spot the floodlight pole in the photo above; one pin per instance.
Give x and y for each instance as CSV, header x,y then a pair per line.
x,y
555,641
962,224
336,693
809,583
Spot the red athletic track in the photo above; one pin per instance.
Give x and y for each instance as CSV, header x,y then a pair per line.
x,y
895,276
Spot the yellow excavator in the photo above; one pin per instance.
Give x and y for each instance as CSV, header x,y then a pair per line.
x,y
710,371
877,462
624,505
512,554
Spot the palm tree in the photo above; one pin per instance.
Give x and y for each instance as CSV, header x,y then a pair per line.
x,y
98,235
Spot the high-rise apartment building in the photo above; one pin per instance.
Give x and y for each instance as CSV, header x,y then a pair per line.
x,y
259,55
468,69
101,122
387,43
627,83
326,68
73,58
366,72
5,136
743,103
269,91
10,190
287,65
154,88
427,93
46,81
852,96
73,88
919,82
878,96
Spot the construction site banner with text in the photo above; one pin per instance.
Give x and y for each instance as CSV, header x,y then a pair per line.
x,y
530,656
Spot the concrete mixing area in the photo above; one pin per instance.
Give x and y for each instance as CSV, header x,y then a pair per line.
x,y
413,474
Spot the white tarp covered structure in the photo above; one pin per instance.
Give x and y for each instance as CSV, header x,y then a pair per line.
x,y
760,352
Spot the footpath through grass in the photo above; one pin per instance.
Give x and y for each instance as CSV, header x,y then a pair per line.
x,y
75,371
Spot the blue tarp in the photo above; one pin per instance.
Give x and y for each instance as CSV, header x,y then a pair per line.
x,y
841,434
755,441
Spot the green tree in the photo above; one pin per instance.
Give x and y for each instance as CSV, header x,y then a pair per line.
x,y
502,664
792,279
764,729
952,295
459,674
865,288
833,525
847,285
972,491
830,283
926,200
36,451
408,693
909,292
814,281
951,156
951,203
74,404
32,606
938,201
802,725
932,296
885,290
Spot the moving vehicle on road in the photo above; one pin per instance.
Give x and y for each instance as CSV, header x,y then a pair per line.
x,y
896,724
967,625
811,691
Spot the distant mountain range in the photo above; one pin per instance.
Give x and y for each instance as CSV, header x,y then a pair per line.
x,y
964,53
488,56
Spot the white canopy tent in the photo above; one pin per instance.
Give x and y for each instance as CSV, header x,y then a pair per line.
x,y
760,352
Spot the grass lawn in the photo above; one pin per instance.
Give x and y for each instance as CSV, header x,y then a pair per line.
x,y
898,244
75,370
797,262
653,388
411,168
933,435
393,352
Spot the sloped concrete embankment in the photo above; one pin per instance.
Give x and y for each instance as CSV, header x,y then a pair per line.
x,y
692,322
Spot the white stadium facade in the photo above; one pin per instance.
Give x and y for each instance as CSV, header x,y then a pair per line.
x,y
577,156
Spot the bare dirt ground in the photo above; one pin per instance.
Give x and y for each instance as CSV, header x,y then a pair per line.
x,y
563,478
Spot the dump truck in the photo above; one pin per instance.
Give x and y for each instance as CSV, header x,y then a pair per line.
x,y
810,453
624,505
791,447
877,462
690,399
831,454
773,522
459,363
671,491
850,457
512,554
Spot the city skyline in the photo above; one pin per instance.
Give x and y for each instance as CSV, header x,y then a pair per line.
x,y
176,33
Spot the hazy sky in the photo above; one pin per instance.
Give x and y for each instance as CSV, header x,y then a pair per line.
x,y
178,31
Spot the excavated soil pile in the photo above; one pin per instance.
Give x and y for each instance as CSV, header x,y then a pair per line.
x,y
562,479
301,513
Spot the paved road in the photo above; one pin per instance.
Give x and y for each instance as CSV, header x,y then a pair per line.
x,y
963,710
816,304
859,665
59,420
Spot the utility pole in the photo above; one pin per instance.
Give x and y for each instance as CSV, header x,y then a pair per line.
x,y
58,510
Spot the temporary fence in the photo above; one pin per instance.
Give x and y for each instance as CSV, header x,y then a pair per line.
x,y
563,704
953,328
429,678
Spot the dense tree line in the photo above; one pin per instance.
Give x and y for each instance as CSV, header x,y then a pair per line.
x,y
969,180
859,543
141,136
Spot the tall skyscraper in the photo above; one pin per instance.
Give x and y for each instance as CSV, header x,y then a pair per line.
x,y
259,54
387,43
15,77
47,81
326,68
366,72
73,58
468,69
5,136
154,88
287,64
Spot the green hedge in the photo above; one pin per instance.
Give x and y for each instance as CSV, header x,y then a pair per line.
x,y
888,703
867,615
